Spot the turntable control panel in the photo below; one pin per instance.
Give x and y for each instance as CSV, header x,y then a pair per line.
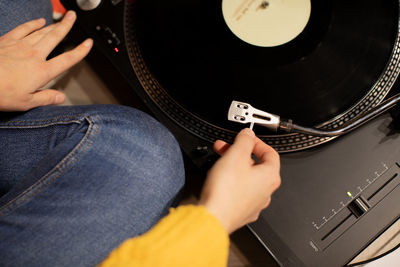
x,y
352,190
101,21
106,30
109,37
357,204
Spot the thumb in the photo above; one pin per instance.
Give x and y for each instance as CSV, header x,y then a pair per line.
x,y
221,147
243,144
47,97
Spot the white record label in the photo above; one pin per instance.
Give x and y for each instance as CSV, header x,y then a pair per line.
x,y
266,23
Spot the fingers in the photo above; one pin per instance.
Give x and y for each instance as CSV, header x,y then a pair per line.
x,y
243,145
221,147
246,143
61,63
54,37
33,38
45,98
267,203
269,164
39,98
265,153
25,29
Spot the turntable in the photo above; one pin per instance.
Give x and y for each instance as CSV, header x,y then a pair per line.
x,y
187,60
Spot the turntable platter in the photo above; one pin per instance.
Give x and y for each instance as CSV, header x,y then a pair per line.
x,y
343,62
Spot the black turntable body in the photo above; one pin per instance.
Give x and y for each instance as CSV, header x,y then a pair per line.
x,y
183,61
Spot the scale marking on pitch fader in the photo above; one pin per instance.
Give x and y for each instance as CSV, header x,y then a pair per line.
x,y
343,204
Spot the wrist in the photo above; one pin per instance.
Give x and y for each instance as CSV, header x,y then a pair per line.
x,y
219,215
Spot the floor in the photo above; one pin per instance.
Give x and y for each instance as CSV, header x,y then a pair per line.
x,y
82,86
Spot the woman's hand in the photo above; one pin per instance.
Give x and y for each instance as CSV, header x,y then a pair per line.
x,y
237,188
23,65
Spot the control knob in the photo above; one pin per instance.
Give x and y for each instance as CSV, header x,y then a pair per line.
x,y
88,4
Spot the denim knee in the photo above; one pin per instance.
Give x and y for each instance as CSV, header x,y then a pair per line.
x,y
146,146
148,157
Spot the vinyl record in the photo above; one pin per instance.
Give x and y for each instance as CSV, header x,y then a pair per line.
x,y
193,63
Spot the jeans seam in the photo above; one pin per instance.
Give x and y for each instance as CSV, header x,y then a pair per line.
x,y
50,122
66,163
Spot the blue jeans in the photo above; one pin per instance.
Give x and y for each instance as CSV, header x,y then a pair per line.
x,y
78,181
16,12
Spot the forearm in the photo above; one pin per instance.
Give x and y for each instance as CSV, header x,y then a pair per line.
x,y
188,236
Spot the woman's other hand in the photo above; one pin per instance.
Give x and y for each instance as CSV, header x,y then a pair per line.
x,y
24,68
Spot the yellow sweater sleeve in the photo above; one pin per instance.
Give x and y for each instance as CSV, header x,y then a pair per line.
x,y
188,236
